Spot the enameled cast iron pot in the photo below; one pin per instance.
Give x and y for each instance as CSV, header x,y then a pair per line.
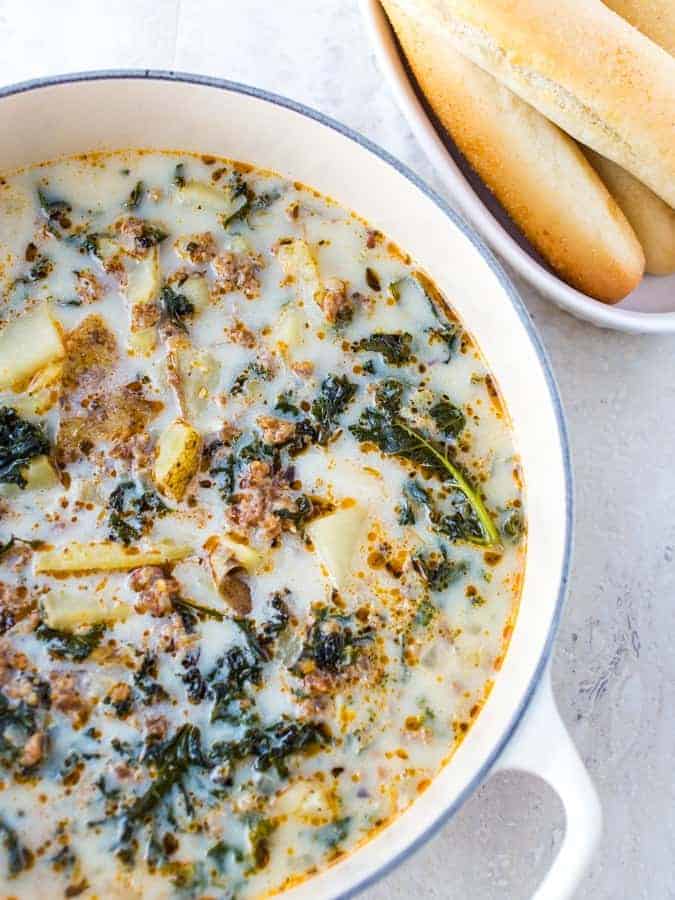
x,y
519,727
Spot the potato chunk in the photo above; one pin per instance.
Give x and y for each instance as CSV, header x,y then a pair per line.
x,y
143,284
178,453
40,474
106,556
27,345
66,611
336,538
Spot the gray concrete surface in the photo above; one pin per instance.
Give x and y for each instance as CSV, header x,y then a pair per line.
x,y
614,666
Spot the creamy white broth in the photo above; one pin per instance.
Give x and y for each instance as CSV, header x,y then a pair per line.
x,y
323,620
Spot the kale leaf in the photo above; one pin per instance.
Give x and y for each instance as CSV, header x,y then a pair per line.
x,y
132,508
176,307
64,645
179,175
17,724
389,394
285,404
447,334
18,856
271,746
395,348
136,196
172,762
394,436
224,473
438,570
448,418
332,643
20,441
144,680
335,395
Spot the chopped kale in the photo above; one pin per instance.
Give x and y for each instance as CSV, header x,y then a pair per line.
x,y
249,204
448,418
179,175
334,833
406,513
176,307
426,613
20,442
136,196
335,395
76,646
333,642
18,856
513,525
222,852
389,395
279,618
40,269
395,348
438,570
271,746
300,514
190,612
224,473
145,680
285,404
171,762
241,668
447,334
17,724
53,207
132,510
151,235
458,520
259,832
252,371
394,436
192,678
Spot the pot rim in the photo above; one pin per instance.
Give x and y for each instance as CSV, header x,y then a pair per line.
x,y
468,232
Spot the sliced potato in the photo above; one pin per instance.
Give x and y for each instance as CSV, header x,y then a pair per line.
x,y
198,374
27,345
290,330
178,453
106,556
336,538
196,289
200,195
299,265
248,557
43,388
40,474
68,611
142,291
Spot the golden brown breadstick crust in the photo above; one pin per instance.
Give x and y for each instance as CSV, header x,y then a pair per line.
x,y
653,221
580,65
538,173
654,18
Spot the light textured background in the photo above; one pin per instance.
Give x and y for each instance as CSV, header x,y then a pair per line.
x,y
614,665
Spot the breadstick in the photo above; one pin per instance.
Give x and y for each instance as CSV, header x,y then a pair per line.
x,y
655,18
580,65
535,170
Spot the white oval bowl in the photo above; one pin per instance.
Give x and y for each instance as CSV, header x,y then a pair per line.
x,y
650,309
112,110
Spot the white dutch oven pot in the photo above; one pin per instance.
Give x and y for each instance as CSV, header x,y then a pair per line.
x,y
519,727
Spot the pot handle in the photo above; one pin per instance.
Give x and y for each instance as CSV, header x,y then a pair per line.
x,y
543,747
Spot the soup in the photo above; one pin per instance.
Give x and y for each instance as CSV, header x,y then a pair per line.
x,y
262,529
